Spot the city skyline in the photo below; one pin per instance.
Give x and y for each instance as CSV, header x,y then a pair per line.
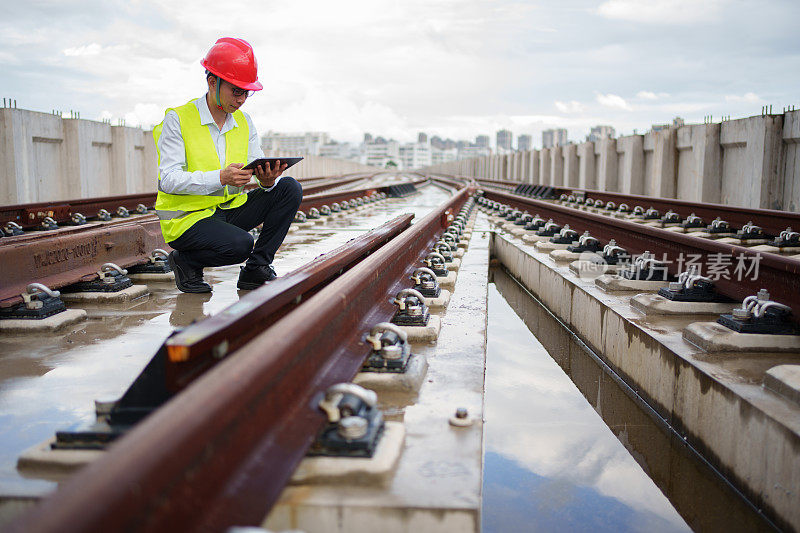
x,y
413,66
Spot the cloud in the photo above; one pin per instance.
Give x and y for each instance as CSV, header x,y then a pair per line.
x,y
647,95
749,98
569,107
660,11
613,101
86,50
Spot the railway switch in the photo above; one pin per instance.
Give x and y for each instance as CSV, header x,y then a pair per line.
x,y
354,426
426,283
411,309
759,314
436,262
38,302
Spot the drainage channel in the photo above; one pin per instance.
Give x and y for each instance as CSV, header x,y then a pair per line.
x,y
50,381
569,447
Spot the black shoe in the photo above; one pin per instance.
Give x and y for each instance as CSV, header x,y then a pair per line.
x,y
252,277
187,279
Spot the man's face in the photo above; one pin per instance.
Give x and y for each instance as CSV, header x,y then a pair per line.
x,y
231,97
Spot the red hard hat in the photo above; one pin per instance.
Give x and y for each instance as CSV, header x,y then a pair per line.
x,y
232,60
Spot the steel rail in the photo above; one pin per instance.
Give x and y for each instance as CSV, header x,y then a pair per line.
x,y
772,221
70,254
779,275
198,346
29,216
219,453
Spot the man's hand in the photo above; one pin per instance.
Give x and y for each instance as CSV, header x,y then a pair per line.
x,y
234,176
267,176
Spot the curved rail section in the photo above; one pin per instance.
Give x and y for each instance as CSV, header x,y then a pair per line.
x,y
219,453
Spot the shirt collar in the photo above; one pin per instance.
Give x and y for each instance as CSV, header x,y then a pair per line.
x,y
207,119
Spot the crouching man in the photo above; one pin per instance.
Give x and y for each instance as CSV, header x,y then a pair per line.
x,y
202,146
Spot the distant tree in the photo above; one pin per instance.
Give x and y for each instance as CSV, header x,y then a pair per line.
x,y
391,164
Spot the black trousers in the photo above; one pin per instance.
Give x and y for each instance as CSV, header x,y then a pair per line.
x,y
224,238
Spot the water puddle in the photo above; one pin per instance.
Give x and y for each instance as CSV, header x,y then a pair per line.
x,y
568,448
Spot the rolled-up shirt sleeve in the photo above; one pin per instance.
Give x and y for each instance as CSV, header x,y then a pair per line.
x,y
174,179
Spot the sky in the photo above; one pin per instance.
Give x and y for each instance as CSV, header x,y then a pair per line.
x,y
453,68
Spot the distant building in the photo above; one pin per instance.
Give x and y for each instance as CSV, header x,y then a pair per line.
x,y
524,142
415,155
482,141
504,140
469,152
299,143
554,137
338,150
677,122
600,132
380,152
443,156
367,137
422,138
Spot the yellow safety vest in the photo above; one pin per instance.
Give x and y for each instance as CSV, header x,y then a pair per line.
x,y
179,212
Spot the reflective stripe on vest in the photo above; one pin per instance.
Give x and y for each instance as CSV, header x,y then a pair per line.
x,y
179,212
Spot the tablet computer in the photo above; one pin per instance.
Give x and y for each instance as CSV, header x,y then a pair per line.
x,y
290,161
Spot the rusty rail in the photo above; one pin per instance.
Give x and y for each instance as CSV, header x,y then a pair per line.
x,y
29,216
71,254
780,275
219,453
192,350
770,220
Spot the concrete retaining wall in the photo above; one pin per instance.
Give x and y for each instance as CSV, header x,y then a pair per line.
x,y
751,162
45,157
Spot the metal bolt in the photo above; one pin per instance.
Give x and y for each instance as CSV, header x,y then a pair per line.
x,y
352,427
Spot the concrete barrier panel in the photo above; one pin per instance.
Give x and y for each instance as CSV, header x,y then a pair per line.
x,y
791,161
630,164
587,176
571,170
750,154
699,163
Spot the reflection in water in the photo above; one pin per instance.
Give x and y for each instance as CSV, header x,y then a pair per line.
x,y
552,459
50,382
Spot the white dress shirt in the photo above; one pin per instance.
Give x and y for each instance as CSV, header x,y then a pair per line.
x,y
172,170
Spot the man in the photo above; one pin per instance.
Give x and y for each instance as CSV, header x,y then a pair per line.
x,y
202,146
